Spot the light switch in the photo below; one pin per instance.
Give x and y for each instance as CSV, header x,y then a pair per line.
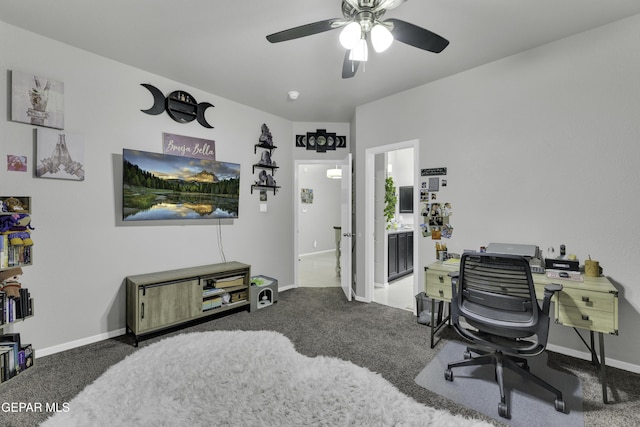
x,y
263,207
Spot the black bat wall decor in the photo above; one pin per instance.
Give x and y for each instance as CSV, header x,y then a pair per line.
x,y
180,106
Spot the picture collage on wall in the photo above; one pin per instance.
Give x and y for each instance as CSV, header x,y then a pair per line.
x,y
39,101
435,209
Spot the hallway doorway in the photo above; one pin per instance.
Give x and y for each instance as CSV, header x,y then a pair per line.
x,y
318,212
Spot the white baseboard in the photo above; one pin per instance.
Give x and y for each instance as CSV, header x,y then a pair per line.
x,y
286,288
361,299
316,253
587,356
78,343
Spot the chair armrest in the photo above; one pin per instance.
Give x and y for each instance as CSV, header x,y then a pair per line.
x,y
549,290
553,287
454,284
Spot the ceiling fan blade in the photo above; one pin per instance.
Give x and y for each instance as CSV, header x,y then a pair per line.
x,y
349,67
417,36
304,30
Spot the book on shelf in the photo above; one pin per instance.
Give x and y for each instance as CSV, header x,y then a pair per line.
x,y
3,299
4,363
209,292
27,354
212,303
10,368
9,306
3,239
229,282
12,337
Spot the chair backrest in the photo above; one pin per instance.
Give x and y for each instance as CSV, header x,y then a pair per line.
x,y
495,294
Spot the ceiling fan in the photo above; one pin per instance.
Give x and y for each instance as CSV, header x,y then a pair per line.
x,y
363,18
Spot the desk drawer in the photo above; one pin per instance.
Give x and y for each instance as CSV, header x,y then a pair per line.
x,y
584,299
586,318
438,285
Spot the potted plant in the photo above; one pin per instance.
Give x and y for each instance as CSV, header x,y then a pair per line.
x,y
390,200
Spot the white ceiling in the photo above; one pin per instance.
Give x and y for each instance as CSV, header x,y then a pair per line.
x,y
220,46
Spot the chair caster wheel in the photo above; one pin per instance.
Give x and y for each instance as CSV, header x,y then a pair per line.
x,y
503,410
448,375
560,405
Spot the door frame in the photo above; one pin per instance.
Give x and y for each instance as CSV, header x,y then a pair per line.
x,y
296,212
369,225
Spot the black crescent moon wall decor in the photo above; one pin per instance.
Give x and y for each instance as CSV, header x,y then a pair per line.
x,y
179,105
158,100
202,107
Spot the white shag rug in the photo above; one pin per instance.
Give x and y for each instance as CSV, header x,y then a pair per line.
x,y
243,378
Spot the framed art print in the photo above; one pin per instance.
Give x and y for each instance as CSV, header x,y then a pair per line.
x,y
37,100
59,155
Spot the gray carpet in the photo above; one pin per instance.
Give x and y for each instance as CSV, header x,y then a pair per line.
x,y
475,387
319,321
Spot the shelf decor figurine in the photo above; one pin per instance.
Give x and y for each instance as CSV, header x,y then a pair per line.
x,y
265,136
265,180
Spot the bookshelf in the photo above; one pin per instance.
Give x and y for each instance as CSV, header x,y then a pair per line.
x,y
16,303
167,299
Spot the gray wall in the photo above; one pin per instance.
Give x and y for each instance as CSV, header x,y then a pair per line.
x,y
82,252
541,147
317,219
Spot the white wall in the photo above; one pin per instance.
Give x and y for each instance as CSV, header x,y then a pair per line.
x,y
82,252
401,162
317,219
541,147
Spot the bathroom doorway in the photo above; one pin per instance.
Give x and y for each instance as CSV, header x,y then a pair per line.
x,y
393,285
400,162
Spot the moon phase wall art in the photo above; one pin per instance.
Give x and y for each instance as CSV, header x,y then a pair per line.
x,y
321,141
179,105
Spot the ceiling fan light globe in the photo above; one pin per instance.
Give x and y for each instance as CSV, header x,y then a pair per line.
x,y
360,52
381,38
350,35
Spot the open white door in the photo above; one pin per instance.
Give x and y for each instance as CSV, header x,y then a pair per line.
x,y
347,240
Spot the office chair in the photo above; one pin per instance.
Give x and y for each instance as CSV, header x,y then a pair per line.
x,y
494,306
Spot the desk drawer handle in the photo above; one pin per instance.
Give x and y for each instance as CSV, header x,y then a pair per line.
x,y
585,299
585,317
441,292
441,279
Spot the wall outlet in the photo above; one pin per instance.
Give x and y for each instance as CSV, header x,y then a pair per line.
x,y
315,243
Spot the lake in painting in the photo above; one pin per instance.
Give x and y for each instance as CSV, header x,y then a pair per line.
x,y
160,187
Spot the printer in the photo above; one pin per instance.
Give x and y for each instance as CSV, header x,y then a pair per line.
x,y
530,252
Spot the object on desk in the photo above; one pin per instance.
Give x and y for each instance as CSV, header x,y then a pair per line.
x,y
592,268
565,275
440,248
562,264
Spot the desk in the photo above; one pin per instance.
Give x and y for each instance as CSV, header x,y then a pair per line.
x,y
590,305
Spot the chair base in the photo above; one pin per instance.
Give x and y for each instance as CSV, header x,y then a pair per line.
x,y
500,361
